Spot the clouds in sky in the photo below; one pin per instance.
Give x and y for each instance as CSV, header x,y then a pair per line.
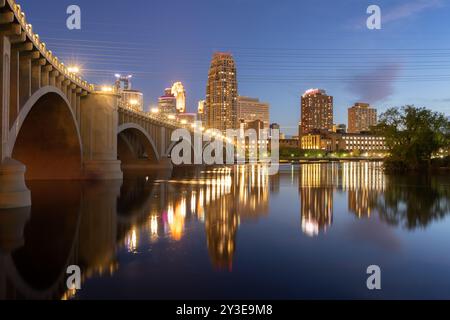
x,y
375,85
409,9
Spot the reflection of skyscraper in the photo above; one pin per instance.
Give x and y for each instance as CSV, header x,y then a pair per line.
x,y
221,93
316,192
363,182
228,202
221,226
221,199
252,184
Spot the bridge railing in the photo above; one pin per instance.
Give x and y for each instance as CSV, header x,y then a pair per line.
x,y
151,116
41,46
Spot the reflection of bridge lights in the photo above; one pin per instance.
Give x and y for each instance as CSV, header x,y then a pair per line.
x,y
200,211
154,227
183,207
193,202
69,294
176,218
131,241
170,214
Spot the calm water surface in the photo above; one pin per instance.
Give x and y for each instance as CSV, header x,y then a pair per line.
x,y
309,232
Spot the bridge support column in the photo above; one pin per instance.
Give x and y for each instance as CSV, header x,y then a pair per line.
x,y
99,122
13,191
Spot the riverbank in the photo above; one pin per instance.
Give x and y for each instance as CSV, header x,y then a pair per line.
x,y
326,160
403,166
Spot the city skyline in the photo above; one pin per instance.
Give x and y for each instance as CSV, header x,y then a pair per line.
x,y
345,58
107,196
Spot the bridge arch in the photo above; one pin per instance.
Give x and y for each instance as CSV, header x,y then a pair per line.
x,y
135,143
57,152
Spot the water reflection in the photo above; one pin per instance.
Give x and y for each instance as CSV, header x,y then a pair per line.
x,y
363,182
414,201
89,224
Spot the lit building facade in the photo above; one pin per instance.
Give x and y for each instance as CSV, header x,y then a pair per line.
x,y
361,117
288,143
315,142
316,111
222,93
132,99
251,109
187,118
362,143
339,128
167,104
180,96
201,111
332,142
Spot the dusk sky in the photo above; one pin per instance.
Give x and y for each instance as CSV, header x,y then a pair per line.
x,y
281,47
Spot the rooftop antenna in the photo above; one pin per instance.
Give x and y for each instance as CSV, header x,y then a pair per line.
x,y
125,80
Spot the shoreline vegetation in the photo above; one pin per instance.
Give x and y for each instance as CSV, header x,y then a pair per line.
x,y
418,139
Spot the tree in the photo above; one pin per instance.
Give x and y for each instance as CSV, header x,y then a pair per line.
x,y
413,135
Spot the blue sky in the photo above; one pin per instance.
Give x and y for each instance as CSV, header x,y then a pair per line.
x,y
281,47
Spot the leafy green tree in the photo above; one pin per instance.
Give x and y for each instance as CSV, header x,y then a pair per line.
x,y
413,135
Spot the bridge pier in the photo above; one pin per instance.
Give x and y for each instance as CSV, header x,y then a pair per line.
x,y
13,191
99,119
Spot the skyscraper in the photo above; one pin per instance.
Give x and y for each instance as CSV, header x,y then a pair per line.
x,y
201,112
167,104
361,117
251,109
316,111
133,99
221,93
180,95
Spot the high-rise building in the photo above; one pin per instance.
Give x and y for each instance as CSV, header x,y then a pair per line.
x,y
251,109
222,93
180,95
361,117
167,104
187,118
201,111
316,111
132,99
